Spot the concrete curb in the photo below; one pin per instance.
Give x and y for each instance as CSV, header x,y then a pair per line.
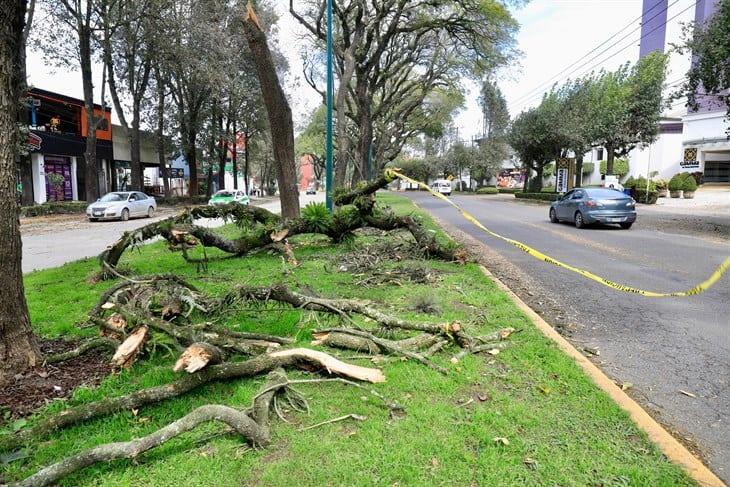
x,y
673,449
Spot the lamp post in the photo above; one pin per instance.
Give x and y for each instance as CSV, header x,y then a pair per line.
x,y
330,90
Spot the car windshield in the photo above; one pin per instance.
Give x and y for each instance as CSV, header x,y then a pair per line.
x,y
228,194
605,194
109,197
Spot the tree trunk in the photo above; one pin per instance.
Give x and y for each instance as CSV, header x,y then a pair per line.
x,y
223,146
234,156
191,155
609,159
246,136
343,140
18,348
161,134
366,133
578,170
280,115
137,176
91,179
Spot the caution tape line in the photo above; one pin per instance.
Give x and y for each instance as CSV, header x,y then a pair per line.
x,y
701,287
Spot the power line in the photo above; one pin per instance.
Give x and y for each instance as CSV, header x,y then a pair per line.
x,y
622,49
547,83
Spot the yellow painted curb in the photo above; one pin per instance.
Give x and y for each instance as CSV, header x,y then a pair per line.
x,y
673,449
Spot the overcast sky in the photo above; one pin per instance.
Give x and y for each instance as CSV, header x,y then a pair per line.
x,y
553,35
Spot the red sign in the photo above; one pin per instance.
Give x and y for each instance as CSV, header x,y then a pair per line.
x,y
34,142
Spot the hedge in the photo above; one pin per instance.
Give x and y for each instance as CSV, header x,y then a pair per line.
x,y
538,196
620,167
487,190
54,208
509,190
181,200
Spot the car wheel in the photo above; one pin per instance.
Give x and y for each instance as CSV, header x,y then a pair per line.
x,y
553,216
125,215
579,221
626,225
150,212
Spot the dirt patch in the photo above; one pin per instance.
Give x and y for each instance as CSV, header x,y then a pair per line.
x,y
35,388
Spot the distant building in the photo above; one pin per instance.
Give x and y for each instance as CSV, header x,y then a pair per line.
x,y
57,142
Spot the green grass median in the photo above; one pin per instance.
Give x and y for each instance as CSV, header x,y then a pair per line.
x,y
525,416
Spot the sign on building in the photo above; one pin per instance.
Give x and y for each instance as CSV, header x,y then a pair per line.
x,y
690,159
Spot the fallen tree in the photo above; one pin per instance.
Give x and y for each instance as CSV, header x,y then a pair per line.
x,y
261,228
262,364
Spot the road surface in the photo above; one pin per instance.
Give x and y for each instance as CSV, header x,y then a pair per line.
x,y
660,345
54,241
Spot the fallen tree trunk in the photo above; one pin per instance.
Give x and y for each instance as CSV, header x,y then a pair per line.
x,y
94,343
249,368
181,232
255,429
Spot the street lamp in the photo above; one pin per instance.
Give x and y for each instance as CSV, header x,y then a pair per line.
x,y
330,89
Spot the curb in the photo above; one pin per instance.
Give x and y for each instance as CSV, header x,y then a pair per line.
x,y
669,446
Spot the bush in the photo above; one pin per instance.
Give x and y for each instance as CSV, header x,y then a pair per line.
x,y
509,190
630,183
181,200
620,167
54,208
488,190
661,183
675,184
538,196
639,194
588,168
689,184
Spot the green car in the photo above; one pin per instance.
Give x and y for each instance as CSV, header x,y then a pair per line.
x,y
225,196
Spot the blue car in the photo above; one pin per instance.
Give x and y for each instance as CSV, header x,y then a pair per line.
x,y
584,206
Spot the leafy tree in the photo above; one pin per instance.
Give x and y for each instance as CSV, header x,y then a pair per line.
x,y
311,141
493,146
708,79
18,347
626,105
391,55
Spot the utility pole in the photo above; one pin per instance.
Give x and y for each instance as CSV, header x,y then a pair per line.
x,y
330,90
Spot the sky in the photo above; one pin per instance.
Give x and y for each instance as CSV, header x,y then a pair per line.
x,y
553,35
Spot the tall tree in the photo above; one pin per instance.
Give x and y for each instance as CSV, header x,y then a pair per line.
x,y
26,173
18,348
626,105
390,55
279,112
127,40
72,38
493,145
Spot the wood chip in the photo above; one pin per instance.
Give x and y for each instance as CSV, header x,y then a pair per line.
x,y
687,393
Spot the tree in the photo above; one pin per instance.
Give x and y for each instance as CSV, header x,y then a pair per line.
x,y
708,79
312,140
72,38
127,41
493,147
281,124
577,125
626,105
391,55
18,348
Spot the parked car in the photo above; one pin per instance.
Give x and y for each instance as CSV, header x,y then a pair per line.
x,y
584,206
121,205
311,189
442,186
225,196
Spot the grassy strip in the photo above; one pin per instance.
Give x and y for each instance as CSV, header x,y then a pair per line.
x,y
561,430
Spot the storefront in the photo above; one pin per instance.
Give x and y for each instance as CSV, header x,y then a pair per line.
x,y
57,142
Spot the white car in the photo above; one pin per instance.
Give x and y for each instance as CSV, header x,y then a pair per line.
x,y
121,205
442,186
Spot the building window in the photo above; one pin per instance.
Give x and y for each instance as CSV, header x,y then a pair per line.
x,y
599,154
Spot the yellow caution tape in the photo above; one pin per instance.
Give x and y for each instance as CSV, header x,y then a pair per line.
x,y
392,174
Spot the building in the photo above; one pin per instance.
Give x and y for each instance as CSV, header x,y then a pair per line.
x,y
57,142
692,140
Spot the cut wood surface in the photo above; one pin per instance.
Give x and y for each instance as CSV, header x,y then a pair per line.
x,y
127,352
197,356
332,365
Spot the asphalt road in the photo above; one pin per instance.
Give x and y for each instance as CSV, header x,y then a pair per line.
x,y
52,242
660,345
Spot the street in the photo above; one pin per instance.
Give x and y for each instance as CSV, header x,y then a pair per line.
x,y
65,238
674,351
